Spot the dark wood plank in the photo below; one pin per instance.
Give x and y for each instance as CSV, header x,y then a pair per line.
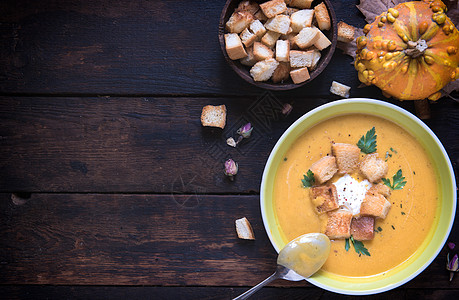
x,y
132,47
131,240
102,292
166,240
151,144
110,292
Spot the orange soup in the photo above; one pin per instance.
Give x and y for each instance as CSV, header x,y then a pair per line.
x,y
412,211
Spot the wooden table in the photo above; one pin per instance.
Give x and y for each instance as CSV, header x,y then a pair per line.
x,y
111,188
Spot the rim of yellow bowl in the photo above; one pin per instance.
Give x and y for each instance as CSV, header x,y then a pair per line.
x,y
439,232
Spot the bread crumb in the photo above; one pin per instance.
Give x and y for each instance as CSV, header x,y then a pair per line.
x,y
213,116
340,89
244,229
345,32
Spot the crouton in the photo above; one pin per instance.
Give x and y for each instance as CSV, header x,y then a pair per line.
x,y
213,116
324,198
374,205
263,70
324,169
322,16
259,15
282,50
239,21
244,229
322,41
250,59
273,8
290,11
261,52
279,24
380,189
340,89
249,6
301,3
363,228
247,37
339,224
270,38
301,19
345,32
300,75
315,59
281,73
234,47
373,167
299,59
307,37
347,157
290,37
257,28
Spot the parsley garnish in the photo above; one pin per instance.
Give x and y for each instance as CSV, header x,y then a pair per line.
x,y
398,181
308,180
367,143
358,247
393,150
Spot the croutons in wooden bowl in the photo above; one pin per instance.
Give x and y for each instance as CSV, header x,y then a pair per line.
x,y
278,44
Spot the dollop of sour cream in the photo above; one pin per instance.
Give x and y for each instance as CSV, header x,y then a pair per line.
x,y
351,192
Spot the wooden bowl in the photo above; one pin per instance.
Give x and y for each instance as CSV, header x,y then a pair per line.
x,y
243,71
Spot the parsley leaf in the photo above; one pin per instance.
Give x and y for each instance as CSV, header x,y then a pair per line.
x,y
308,180
398,181
359,247
367,143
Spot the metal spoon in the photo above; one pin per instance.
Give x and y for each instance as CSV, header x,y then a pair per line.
x,y
298,260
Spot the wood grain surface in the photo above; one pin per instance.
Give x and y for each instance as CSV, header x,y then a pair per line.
x,y
108,144
185,293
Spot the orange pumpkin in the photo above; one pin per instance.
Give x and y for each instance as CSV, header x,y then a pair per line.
x,y
410,52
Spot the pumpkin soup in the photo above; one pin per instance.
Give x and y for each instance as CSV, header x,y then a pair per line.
x,y
412,210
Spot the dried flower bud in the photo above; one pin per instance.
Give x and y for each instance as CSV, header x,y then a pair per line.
x,y
246,130
287,109
231,168
231,142
452,264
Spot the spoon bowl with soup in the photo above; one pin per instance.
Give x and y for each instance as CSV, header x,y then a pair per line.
x,y
299,259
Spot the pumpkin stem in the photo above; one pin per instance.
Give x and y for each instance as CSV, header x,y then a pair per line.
x,y
416,49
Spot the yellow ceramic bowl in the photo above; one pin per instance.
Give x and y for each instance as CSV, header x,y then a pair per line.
x,y
445,213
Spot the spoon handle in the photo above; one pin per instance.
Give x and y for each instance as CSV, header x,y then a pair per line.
x,y
252,291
